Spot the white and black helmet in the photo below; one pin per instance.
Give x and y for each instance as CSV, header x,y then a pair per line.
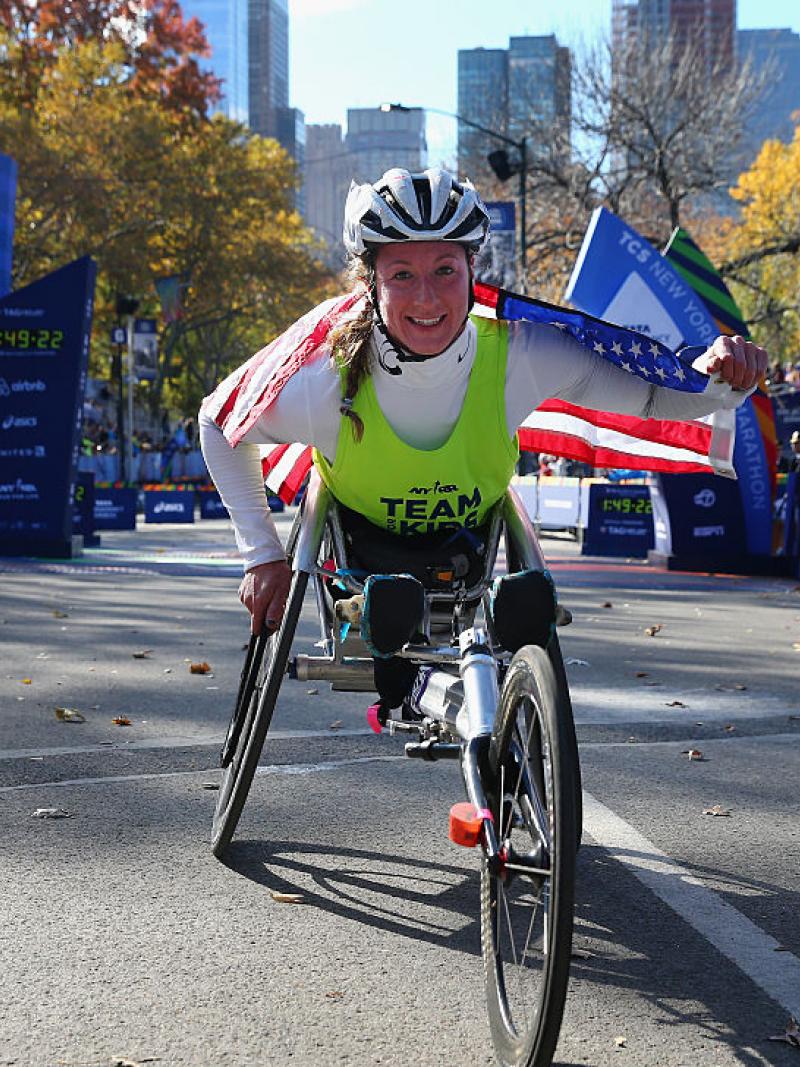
x,y
401,206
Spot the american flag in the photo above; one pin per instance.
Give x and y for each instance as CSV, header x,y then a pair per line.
x,y
556,427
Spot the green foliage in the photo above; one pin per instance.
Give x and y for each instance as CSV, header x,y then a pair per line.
x,y
151,191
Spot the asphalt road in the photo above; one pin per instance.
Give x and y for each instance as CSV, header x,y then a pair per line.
x,y
123,940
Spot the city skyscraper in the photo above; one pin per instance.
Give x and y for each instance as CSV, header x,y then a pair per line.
x,y
516,92
327,175
772,115
225,24
268,33
539,88
377,140
710,24
482,98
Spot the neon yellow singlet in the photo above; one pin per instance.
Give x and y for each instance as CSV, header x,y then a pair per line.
x,y
415,491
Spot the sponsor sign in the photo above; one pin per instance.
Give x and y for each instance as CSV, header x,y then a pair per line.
x,y
44,350
115,509
211,507
698,514
619,520
620,277
168,505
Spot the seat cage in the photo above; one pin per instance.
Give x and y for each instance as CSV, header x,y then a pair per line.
x,y
346,661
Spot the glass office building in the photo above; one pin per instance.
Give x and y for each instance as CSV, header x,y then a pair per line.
x,y
226,24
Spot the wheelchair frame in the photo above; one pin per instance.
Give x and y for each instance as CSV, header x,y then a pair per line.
x,y
507,719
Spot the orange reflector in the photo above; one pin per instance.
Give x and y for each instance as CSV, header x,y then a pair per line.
x,y
465,824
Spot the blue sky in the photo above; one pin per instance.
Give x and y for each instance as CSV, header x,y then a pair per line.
x,y
358,53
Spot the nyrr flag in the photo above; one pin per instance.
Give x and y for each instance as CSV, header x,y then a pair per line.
x,y
597,438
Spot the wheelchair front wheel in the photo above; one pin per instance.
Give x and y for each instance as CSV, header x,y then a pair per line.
x,y
255,721
527,899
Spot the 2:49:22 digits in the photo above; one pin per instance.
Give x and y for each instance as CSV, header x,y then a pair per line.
x,y
42,339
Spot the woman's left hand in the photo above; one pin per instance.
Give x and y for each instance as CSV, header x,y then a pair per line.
x,y
740,363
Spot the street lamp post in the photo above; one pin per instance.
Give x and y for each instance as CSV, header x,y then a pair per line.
x,y
503,168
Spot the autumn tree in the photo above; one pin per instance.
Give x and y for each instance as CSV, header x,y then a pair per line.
x,y
159,47
117,176
759,252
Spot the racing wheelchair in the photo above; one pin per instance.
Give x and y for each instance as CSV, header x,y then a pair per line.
x,y
468,667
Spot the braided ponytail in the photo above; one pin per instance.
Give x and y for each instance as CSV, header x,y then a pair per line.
x,y
350,343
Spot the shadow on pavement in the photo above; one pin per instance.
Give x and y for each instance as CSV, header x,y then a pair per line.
x,y
394,893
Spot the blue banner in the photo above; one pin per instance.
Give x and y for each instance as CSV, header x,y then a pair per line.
x,y
705,516
8,200
211,506
115,509
620,276
168,505
44,351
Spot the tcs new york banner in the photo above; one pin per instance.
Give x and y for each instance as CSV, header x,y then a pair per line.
x,y
620,277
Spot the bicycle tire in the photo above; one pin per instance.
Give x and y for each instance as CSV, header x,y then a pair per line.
x,y
529,763
557,661
238,775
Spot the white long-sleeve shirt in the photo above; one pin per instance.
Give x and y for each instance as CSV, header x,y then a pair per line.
x,y
422,404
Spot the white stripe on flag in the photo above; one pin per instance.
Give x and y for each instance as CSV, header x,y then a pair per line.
x,y
283,468
601,437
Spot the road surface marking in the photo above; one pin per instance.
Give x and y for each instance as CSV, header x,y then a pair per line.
x,y
171,742
730,932
269,768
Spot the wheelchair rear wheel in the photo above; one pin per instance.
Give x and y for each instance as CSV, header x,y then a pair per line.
x,y
265,669
527,900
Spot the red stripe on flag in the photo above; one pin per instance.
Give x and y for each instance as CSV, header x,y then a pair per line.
x,y
571,447
271,459
695,436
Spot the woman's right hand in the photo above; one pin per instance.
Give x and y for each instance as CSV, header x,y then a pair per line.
x,y
263,591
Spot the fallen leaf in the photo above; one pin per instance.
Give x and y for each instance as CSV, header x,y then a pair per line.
x,y
791,1035
69,715
651,631
337,725
676,704
144,654
620,1041
51,813
717,810
60,614
335,994
199,668
287,898
693,754
27,681
121,720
